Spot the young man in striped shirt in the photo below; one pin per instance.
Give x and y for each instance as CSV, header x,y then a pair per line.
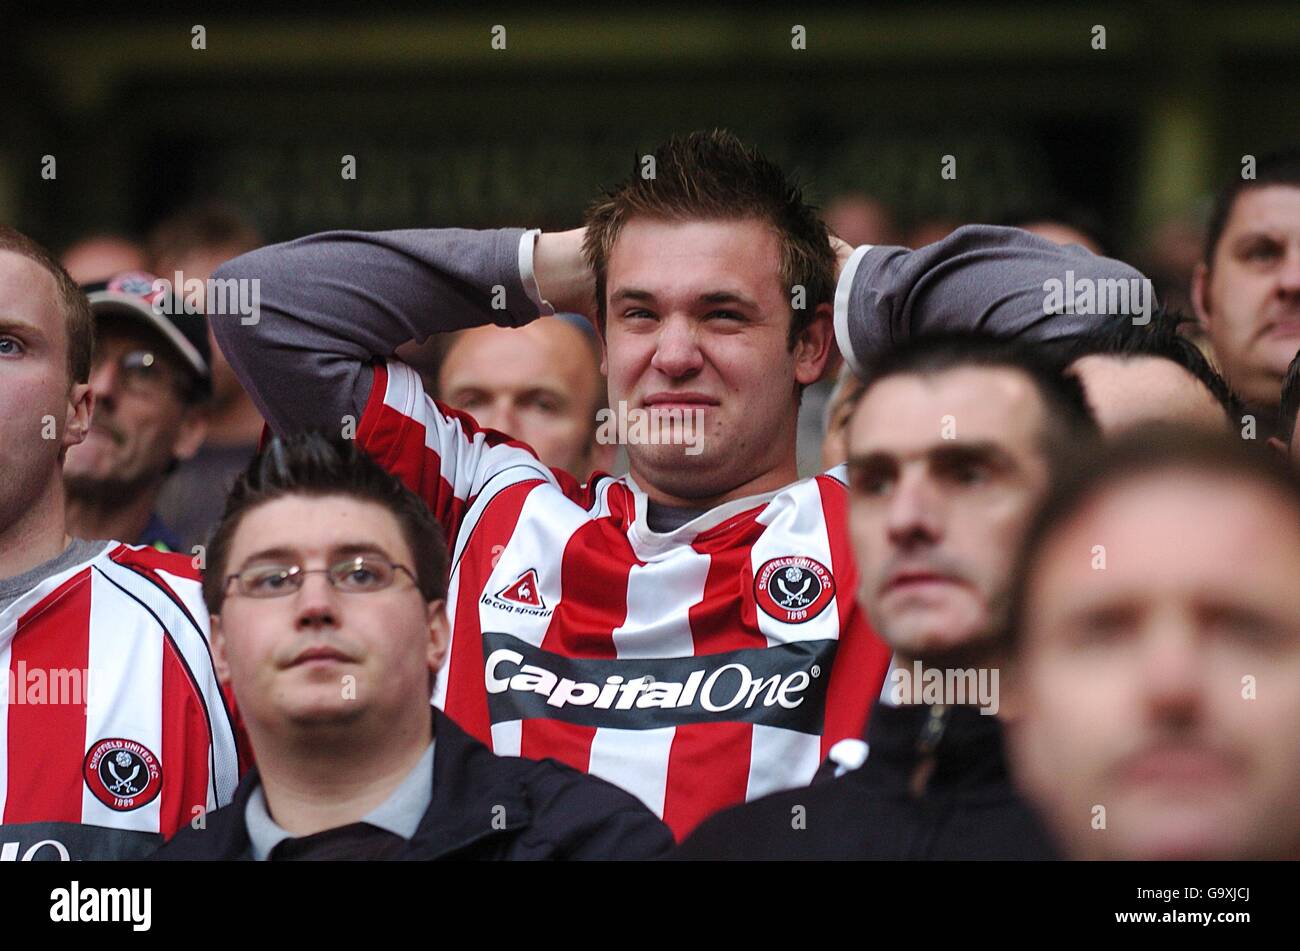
x,y
689,631
113,729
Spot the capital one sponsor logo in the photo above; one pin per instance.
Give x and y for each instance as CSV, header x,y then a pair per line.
x,y
777,686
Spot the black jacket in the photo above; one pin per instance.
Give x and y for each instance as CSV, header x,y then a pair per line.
x,y
548,811
967,809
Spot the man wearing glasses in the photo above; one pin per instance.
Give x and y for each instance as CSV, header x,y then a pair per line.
x,y
151,377
327,582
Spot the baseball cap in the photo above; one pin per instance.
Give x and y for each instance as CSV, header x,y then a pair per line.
x,y
139,296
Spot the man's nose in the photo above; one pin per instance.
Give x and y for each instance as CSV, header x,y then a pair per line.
x,y
915,510
1170,665
316,603
500,414
1288,278
677,351
104,381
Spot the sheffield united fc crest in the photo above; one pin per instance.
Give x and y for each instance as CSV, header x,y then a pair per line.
x,y
793,589
123,774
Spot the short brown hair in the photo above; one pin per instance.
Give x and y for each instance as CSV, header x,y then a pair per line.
x,y
315,465
713,176
72,302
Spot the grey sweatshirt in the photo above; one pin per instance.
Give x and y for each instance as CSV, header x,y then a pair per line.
x,y
334,302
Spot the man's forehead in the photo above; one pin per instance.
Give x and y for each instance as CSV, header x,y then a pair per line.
x,y
1177,530
527,358
709,256
29,292
315,523
911,412
20,274
1265,208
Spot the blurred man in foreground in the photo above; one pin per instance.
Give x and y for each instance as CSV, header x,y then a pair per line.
x,y
1156,697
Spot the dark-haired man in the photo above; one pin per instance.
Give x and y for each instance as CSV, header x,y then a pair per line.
x,y
1246,290
113,729
326,586
1156,684
951,445
687,632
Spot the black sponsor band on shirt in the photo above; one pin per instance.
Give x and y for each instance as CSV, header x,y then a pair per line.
x,y
781,686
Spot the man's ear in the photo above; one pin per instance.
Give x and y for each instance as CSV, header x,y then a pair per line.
x,y
218,644
813,347
76,421
194,429
439,633
1201,302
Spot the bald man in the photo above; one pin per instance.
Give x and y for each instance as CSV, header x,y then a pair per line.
x,y
540,384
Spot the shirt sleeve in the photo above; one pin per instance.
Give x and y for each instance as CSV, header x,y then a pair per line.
x,y
332,309
328,306
1001,281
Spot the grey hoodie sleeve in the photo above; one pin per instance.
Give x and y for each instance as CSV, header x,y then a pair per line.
x,y
1001,281
332,303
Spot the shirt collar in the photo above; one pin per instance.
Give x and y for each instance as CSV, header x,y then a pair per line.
x,y
399,814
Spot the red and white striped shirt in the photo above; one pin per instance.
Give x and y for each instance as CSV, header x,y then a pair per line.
x,y
114,729
697,668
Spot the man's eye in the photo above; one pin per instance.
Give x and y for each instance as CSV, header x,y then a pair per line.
x,y
546,404
1102,627
869,483
637,314
969,475
1262,252
267,579
1244,627
724,315
9,346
